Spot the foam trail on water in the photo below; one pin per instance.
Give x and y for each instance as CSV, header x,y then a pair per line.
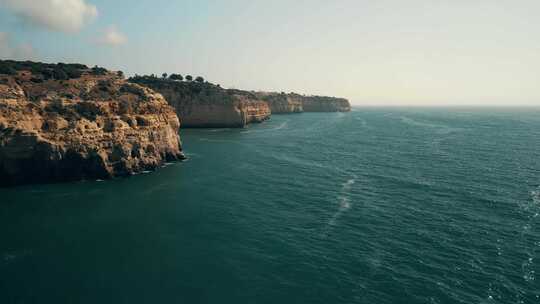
x,y
347,185
283,125
362,121
11,256
344,203
216,140
439,128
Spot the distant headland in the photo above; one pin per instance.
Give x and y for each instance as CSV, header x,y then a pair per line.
x,y
201,104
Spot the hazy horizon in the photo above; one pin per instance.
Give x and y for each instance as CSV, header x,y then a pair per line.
x,y
375,53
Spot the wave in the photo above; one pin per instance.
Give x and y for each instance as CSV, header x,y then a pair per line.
x,y
532,206
443,131
283,125
536,196
11,256
191,155
347,185
531,209
362,121
436,147
344,205
528,269
216,140
289,158
439,129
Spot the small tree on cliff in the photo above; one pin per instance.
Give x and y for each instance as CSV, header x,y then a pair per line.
x,y
98,70
199,79
164,75
189,78
176,77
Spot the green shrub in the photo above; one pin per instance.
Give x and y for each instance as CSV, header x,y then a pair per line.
x,y
176,77
98,70
59,71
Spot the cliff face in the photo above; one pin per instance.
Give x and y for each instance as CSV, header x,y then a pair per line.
x,y
281,103
89,127
253,109
325,104
204,105
294,103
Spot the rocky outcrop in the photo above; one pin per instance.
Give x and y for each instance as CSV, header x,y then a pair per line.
x,y
281,103
205,105
295,103
254,110
325,104
94,126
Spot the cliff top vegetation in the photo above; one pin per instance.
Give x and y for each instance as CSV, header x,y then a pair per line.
x,y
194,89
46,71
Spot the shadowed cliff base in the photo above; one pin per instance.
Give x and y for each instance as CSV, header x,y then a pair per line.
x,y
63,122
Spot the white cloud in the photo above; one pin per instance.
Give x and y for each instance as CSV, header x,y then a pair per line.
x,y
112,36
10,51
59,15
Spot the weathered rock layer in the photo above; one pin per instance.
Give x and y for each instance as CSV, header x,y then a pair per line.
x,y
89,127
205,105
325,104
281,103
294,103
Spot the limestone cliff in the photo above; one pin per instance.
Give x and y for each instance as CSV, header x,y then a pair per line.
x,y
62,124
325,104
296,103
205,105
281,103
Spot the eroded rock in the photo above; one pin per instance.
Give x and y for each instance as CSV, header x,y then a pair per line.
x,y
205,105
89,127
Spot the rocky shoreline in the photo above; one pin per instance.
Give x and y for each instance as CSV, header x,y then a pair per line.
x,y
67,122
95,126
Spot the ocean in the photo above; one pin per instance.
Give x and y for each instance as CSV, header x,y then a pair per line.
x,y
379,205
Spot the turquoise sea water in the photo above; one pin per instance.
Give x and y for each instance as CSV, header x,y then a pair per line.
x,y
373,206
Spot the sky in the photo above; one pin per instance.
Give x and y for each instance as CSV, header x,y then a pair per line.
x,y
373,52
